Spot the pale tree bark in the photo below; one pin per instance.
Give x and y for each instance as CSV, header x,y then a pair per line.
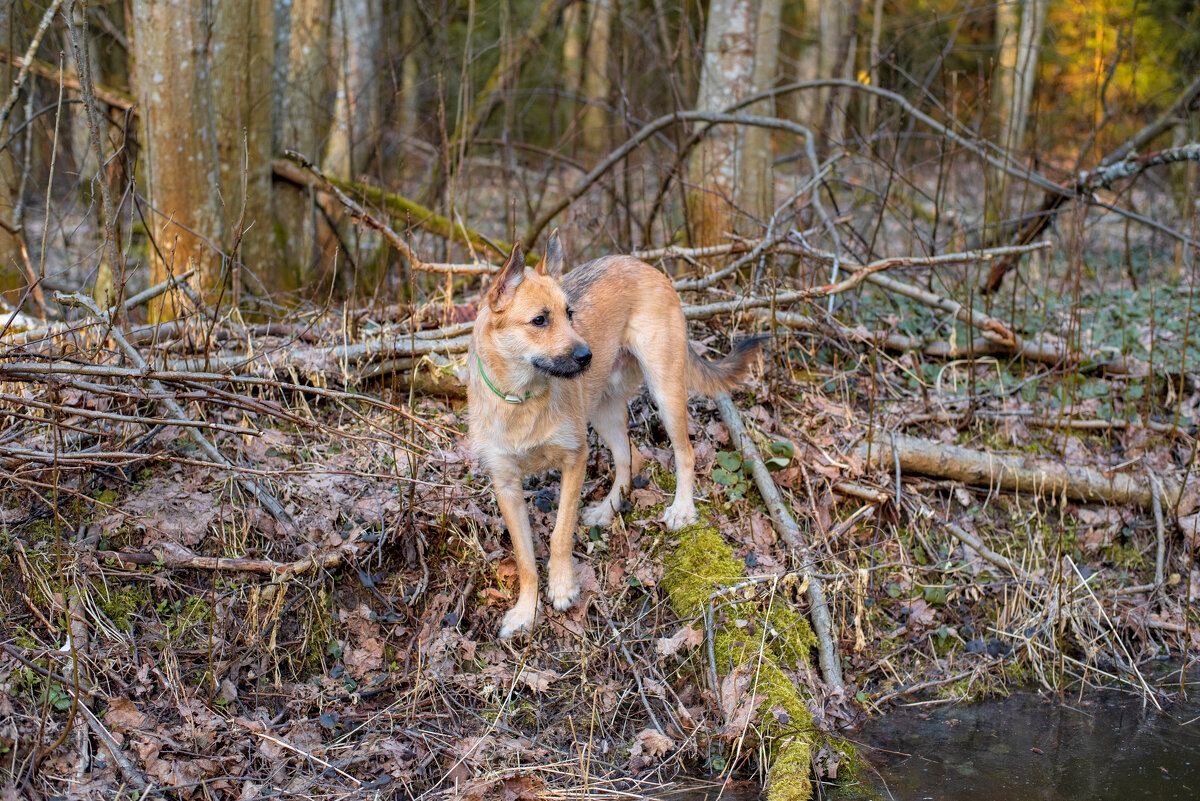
x,y
1018,48
409,70
357,47
727,76
179,141
243,63
757,185
305,117
824,26
596,84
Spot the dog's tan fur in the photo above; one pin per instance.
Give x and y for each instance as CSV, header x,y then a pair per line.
x,y
630,317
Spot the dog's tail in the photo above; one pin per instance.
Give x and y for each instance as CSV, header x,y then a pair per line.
x,y
709,378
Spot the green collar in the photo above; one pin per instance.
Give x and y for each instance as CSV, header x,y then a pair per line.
x,y
506,398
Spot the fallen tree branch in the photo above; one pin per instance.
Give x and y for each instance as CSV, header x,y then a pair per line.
x,y
789,532
299,170
130,303
1008,472
176,557
1053,200
264,497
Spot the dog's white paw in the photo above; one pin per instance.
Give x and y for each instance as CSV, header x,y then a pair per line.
x,y
562,588
518,620
679,514
600,514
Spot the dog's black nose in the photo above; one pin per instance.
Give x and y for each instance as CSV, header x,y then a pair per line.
x,y
582,355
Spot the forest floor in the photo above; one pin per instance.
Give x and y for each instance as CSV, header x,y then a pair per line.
x,y
348,647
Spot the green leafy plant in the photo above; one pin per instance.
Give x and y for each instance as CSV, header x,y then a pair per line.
x,y
730,473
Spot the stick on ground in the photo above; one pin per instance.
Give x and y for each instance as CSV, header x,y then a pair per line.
x,y
785,525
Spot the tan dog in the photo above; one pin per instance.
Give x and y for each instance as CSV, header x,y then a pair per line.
x,y
548,356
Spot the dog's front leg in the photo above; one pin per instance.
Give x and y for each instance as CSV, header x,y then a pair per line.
x,y
562,588
511,498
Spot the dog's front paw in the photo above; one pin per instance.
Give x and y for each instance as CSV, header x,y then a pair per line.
x,y
562,588
518,620
600,514
678,515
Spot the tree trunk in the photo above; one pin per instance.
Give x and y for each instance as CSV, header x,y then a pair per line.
x,y
357,47
305,117
758,174
180,165
242,88
715,167
409,70
1018,45
11,276
596,85
808,66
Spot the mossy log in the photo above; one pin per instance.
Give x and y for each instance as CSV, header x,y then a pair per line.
x,y
702,571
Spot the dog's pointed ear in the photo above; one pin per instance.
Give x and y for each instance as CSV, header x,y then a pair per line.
x,y
552,263
505,284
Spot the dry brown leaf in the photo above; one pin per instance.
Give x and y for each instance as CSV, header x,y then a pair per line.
x,y
651,743
686,637
538,680
364,659
172,508
123,716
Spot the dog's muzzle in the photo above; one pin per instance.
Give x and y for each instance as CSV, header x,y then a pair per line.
x,y
567,365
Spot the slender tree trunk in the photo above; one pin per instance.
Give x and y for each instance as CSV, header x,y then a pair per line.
x,y
409,70
596,84
574,39
242,89
1018,47
357,47
873,67
715,167
181,165
305,118
11,275
809,104
758,174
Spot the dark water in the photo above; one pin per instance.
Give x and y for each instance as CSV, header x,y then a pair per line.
x,y
1105,747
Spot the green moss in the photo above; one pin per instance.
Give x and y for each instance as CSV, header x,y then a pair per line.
x,y
119,605
703,563
665,480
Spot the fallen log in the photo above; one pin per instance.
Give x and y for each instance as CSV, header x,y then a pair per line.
x,y
1010,472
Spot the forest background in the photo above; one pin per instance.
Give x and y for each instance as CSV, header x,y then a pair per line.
x,y
241,245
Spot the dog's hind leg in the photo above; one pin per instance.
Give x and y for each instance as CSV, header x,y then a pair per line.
x,y
670,395
561,586
612,425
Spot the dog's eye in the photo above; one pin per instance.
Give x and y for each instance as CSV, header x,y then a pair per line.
x,y
570,314
539,321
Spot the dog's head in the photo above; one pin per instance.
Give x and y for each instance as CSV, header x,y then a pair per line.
x,y
530,318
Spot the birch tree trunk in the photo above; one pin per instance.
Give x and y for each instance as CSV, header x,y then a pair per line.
x,y
178,138
596,85
727,76
305,117
1018,47
243,64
